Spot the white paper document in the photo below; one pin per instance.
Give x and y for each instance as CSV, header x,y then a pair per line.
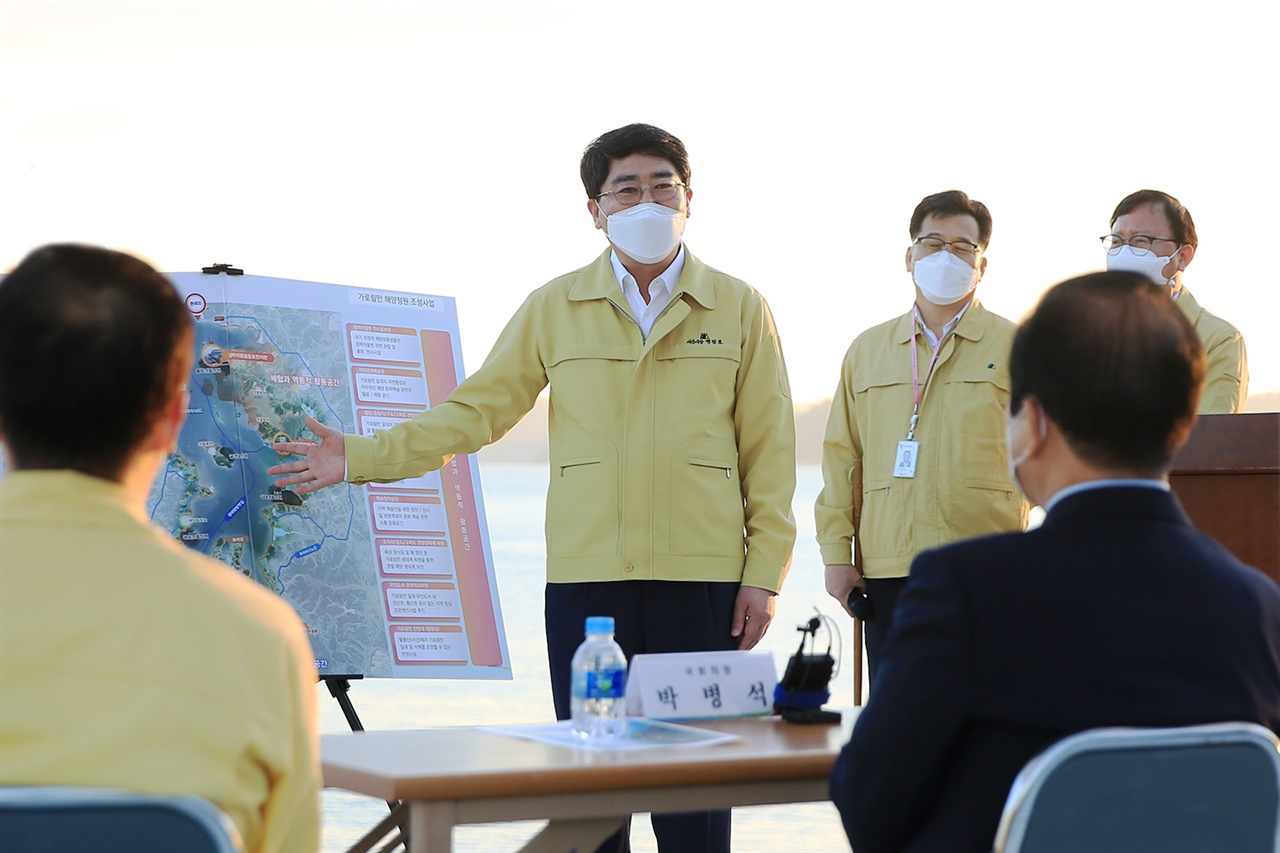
x,y
640,733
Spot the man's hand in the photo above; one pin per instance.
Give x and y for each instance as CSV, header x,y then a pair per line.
x,y
752,613
323,463
843,578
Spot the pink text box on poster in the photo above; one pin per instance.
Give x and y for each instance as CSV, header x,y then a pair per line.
x,y
429,644
373,421
389,386
427,557
386,344
421,600
407,514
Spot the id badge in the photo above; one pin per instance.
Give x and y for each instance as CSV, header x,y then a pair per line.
x,y
904,463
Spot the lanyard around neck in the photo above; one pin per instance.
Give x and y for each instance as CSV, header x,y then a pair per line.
x,y
917,391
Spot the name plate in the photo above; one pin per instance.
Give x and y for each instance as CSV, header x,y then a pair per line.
x,y
698,685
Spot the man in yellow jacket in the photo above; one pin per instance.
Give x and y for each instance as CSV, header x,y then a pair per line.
x,y
671,431
127,660
1152,233
920,406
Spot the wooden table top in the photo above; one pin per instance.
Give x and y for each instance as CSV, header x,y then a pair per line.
x,y
464,762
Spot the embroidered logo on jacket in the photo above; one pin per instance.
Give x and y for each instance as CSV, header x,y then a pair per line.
x,y
705,338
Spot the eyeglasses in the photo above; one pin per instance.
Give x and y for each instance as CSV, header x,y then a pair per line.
x,y
960,248
1140,243
629,194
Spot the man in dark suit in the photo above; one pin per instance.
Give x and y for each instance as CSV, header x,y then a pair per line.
x,y
1114,612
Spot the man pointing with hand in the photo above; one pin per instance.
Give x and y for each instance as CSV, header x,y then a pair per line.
x,y
672,437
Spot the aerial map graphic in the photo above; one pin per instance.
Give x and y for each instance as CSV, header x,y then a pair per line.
x,y
390,580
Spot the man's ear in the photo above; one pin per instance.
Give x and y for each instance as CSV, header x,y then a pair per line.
x,y
1038,423
164,433
593,207
1185,254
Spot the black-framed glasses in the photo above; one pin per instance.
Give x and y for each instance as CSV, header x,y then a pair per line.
x,y
960,248
1140,243
629,194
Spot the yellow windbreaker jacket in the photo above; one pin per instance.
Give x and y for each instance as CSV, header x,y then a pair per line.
x,y
1226,381
962,486
671,458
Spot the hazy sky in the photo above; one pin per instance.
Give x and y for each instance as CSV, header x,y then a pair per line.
x,y
433,146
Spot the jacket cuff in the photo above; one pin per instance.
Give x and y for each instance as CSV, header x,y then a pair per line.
x,y
764,576
836,553
359,450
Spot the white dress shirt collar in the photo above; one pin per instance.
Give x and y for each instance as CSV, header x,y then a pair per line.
x,y
950,327
660,290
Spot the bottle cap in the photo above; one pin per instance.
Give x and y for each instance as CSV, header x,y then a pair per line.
x,y
599,624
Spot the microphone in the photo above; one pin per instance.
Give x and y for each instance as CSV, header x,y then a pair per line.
x,y
799,697
860,604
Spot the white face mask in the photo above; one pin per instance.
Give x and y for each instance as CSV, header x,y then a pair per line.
x,y
647,232
943,278
1151,265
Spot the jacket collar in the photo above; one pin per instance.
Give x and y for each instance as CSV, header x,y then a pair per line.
x,y
597,281
1118,502
973,325
1187,303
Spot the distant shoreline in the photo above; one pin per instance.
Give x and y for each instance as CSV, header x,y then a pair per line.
x,y
527,441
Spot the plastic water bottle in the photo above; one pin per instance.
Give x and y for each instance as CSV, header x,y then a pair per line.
x,y
598,705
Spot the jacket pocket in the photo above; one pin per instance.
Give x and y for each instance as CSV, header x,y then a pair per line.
x,y
582,505
707,513
887,520
701,384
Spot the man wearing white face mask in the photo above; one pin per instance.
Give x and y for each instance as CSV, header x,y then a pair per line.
x,y
920,406
1153,234
1115,611
672,436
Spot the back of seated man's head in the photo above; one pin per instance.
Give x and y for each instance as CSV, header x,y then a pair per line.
x,y
1114,363
94,346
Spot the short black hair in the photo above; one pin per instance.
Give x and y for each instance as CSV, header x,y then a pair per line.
x,y
952,203
93,345
1116,365
599,156
1184,230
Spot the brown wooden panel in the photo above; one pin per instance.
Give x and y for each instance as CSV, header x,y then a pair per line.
x,y
1228,479
1245,442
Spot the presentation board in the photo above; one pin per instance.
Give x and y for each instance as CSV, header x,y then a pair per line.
x,y
390,580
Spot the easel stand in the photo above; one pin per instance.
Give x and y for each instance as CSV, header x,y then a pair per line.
x,y
339,686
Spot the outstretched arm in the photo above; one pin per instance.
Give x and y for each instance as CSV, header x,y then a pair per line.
x,y
323,463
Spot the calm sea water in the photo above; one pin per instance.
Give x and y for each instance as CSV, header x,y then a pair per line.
x,y
514,496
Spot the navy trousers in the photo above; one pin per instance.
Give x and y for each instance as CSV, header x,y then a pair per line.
x,y
650,617
883,594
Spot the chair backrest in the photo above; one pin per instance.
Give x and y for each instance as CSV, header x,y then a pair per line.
x,y
57,819
1194,788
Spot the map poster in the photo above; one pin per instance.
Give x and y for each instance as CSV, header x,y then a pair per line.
x,y
392,579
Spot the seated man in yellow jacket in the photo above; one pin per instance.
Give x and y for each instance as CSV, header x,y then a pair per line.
x,y
1152,233
920,406
672,438
127,660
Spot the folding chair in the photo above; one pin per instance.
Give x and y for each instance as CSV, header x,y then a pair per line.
x,y
73,820
1205,788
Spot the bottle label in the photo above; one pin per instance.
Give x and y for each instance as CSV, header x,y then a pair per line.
x,y
606,684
